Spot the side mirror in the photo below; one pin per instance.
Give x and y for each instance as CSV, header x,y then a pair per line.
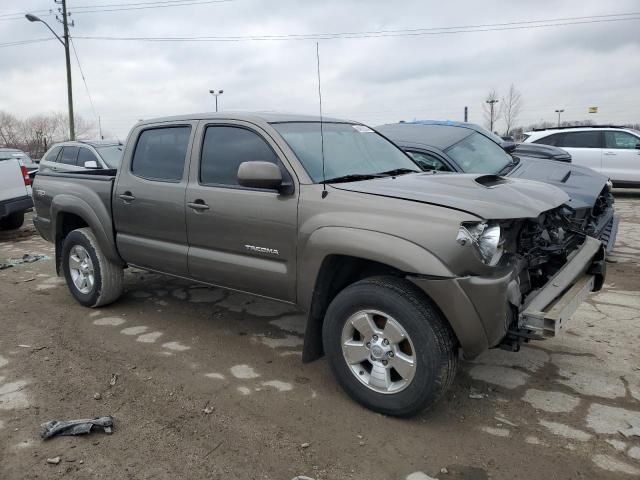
x,y
638,146
90,164
260,175
508,146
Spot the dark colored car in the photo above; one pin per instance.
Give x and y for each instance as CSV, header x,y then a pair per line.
x,y
467,148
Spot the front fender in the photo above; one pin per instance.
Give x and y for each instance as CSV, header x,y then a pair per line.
x,y
383,248
97,217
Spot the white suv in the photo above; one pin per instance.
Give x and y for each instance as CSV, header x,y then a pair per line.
x,y
612,151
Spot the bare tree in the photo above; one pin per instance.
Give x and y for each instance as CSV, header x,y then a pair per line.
x,y
511,107
9,129
492,111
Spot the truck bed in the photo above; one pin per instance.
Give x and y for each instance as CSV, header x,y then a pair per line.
x,y
86,191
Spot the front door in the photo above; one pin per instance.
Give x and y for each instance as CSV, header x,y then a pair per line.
x,y
621,157
148,203
240,238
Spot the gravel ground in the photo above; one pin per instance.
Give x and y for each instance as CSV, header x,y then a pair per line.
x,y
209,384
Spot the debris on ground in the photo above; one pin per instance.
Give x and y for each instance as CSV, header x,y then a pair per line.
x,y
477,396
114,379
26,258
54,460
305,445
76,427
97,396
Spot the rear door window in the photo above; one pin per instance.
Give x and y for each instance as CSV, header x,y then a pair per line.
x,y
582,140
160,153
69,156
554,140
428,161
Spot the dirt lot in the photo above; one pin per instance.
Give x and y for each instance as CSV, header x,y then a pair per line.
x,y
559,409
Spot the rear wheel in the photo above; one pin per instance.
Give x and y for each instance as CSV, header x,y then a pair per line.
x,y
12,222
389,347
93,279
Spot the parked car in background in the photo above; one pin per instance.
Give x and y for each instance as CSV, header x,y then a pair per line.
x,y
82,155
466,148
15,189
612,151
398,269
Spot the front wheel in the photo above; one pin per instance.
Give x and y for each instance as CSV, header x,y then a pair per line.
x,y
389,347
93,279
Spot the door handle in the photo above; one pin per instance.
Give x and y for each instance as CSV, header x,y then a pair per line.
x,y
127,197
198,205
610,153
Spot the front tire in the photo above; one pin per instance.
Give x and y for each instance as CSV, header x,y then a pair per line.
x,y
92,279
389,347
12,222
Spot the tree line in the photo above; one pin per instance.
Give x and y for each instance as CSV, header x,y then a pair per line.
x,y
35,134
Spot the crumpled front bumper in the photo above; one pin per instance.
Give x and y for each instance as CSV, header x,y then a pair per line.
x,y
547,310
481,310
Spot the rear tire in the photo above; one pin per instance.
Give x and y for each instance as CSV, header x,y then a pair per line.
x,y
12,221
92,279
389,347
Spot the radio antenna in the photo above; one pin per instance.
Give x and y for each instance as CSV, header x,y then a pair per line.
x,y
324,178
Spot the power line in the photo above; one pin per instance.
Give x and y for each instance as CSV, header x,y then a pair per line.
x,y
379,33
25,42
80,9
75,53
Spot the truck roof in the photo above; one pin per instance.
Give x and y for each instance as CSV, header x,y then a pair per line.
x,y
255,117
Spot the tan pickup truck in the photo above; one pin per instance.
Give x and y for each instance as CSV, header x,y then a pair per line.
x,y
398,271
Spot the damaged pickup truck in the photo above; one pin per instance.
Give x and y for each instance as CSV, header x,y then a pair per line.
x,y
398,270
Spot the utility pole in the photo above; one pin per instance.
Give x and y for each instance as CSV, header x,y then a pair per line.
x,y
100,128
466,114
491,103
559,112
65,44
65,24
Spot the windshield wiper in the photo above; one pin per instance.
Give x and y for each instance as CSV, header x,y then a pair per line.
x,y
509,166
397,171
353,177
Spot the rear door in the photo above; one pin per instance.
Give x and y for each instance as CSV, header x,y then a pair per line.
x,y
50,160
621,157
148,201
240,238
585,147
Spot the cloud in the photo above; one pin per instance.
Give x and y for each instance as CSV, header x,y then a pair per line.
x,y
375,80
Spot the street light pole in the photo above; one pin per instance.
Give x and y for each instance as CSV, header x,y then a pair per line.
x,y
65,44
559,112
491,103
216,95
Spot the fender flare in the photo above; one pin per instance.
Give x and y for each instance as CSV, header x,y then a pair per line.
x,y
384,248
96,216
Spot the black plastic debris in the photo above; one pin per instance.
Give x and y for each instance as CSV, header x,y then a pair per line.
x,y
76,427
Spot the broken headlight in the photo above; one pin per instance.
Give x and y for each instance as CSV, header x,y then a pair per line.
x,y
485,240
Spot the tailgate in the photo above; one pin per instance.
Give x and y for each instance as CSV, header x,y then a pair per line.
x,y
11,181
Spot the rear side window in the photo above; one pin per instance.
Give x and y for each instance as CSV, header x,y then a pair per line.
x,y
52,156
69,155
620,140
582,140
160,153
554,140
225,148
86,155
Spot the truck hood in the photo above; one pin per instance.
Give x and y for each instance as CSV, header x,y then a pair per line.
x,y
582,184
487,196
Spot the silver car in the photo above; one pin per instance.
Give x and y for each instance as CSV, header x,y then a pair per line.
x,y
82,155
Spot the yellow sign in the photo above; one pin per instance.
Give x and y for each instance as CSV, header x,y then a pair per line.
x,y
593,109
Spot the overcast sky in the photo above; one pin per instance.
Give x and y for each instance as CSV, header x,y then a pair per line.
x,y
374,80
